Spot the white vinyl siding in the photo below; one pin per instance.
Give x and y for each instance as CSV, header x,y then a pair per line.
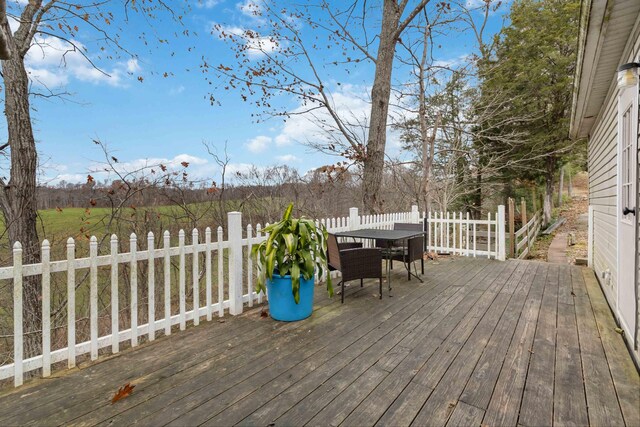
x,y
602,163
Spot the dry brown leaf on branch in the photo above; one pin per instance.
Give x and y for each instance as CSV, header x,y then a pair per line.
x,y
122,392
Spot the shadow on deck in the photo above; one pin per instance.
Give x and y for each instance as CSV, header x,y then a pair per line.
x,y
480,342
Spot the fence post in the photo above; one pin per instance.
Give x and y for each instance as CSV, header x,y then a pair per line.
x,y
415,214
501,233
512,223
525,221
590,238
235,262
354,219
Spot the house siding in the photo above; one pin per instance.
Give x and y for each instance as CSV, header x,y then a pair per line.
x,y
602,164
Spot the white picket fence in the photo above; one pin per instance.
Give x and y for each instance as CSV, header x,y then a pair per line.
x,y
458,234
233,290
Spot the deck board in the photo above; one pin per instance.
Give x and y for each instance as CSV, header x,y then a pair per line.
x,y
479,342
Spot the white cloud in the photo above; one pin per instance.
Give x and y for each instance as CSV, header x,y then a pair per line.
x,y
258,144
258,46
177,90
51,62
199,170
479,5
453,62
133,66
207,4
288,158
250,8
226,29
47,78
348,102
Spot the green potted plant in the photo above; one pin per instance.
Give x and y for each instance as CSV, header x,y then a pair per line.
x,y
287,260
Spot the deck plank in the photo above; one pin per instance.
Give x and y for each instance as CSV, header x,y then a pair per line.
x,y
238,402
537,401
601,395
505,401
439,360
465,415
479,388
479,342
624,373
570,406
475,306
172,400
334,382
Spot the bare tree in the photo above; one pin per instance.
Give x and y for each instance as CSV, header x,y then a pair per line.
x,y
286,64
63,21
5,52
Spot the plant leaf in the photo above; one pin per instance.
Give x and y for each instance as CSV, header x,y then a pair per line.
x,y
287,212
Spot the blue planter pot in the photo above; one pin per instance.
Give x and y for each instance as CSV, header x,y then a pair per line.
x,y
282,306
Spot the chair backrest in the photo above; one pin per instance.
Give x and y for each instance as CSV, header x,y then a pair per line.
x,y
416,249
413,227
333,252
407,226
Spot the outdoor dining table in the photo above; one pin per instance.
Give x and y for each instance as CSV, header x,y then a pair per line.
x,y
388,236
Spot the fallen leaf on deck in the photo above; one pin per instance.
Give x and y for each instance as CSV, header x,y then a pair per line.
x,y
123,392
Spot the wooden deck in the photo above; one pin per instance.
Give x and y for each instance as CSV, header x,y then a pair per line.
x,y
480,342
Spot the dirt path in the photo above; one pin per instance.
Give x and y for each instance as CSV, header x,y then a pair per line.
x,y
554,248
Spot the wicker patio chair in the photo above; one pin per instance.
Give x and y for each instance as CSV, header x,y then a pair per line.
x,y
354,263
410,253
346,245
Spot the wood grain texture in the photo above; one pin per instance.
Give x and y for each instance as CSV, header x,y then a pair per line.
x,y
478,343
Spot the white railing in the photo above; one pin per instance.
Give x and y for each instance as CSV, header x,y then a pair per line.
x,y
196,259
525,237
459,234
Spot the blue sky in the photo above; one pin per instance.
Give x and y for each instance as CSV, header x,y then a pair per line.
x,y
167,119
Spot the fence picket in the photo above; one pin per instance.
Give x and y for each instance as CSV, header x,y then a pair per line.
x,y
489,234
46,309
207,269
460,244
182,280
133,272
71,303
258,237
475,239
93,296
18,338
115,341
151,287
249,265
467,235
220,274
167,282
195,278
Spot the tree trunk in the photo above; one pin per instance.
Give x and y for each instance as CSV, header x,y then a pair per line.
x,y
18,196
560,187
548,190
477,195
380,94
